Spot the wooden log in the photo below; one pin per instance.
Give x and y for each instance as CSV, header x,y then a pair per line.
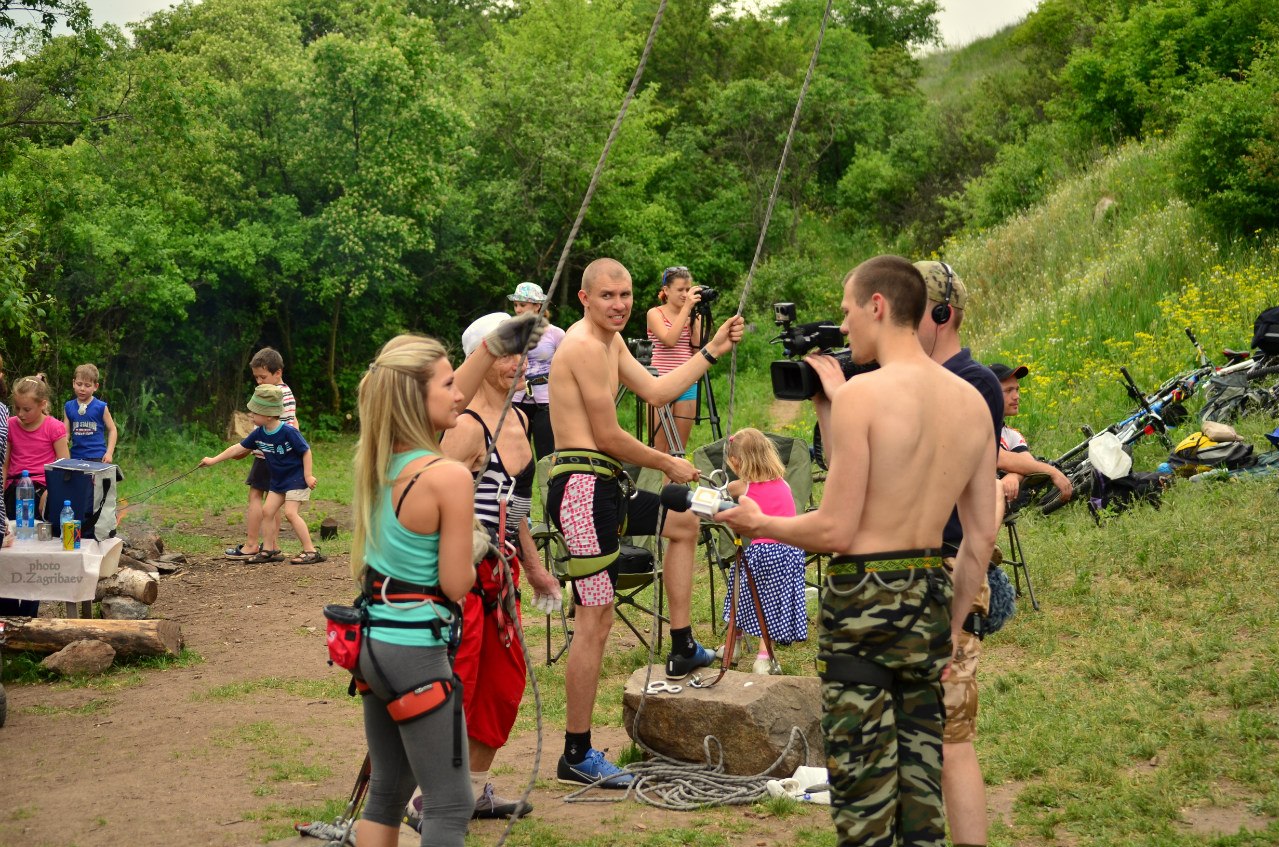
x,y
129,638
139,585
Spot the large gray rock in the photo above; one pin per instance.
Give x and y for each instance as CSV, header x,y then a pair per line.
x,y
751,715
124,609
87,656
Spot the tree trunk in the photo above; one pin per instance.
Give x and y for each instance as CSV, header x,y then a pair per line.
x,y
335,394
129,638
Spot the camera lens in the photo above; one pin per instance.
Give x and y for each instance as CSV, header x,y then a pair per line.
x,y
708,295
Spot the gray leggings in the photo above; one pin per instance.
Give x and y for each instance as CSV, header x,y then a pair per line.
x,y
419,752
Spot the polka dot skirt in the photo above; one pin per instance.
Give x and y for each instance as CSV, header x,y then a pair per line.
x,y
779,576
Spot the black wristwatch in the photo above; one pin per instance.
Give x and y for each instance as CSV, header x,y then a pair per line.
x,y
706,354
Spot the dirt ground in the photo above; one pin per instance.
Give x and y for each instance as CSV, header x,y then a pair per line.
x,y
226,750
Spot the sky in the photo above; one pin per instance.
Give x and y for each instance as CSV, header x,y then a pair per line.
x,y
962,21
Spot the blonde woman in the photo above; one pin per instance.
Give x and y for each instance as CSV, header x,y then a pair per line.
x,y
413,555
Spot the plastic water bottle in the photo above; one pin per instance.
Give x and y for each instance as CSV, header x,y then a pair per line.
x,y
26,502
65,517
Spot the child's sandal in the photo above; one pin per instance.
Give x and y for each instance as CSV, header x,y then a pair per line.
x,y
237,552
308,557
264,556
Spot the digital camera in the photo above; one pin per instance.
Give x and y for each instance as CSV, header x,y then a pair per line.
x,y
794,379
709,295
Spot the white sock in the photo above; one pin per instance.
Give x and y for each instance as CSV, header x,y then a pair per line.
x,y
479,779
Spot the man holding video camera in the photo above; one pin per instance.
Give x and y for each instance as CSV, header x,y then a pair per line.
x,y
908,443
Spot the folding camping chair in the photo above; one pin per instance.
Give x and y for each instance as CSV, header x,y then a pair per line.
x,y
716,539
639,566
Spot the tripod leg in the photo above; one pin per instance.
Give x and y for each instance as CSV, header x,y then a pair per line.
x,y
674,445
712,410
1019,565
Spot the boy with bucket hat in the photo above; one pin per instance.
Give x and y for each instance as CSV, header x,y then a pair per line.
x,y
289,457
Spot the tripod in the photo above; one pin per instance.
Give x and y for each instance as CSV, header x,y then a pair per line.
x,y
665,419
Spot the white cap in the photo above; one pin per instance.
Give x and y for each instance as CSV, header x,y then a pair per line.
x,y
479,328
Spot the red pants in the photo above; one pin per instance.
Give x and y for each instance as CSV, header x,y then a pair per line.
x,y
491,699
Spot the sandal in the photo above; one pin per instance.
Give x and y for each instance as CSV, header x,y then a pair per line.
x,y
262,557
307,557
238,552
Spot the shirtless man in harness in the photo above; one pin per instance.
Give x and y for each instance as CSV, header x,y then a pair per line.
x,y
908,442
588,496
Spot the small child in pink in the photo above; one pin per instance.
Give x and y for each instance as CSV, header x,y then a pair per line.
x,y
778,568
35,440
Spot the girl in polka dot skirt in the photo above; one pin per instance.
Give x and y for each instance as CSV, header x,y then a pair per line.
x,y
778,568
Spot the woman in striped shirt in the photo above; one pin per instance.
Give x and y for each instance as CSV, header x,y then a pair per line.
x,y
489,661
676,332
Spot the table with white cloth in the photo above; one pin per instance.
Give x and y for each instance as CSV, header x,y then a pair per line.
x,y
42,570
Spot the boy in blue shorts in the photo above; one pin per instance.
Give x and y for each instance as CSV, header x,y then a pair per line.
x,y
267,366
288,456
90,427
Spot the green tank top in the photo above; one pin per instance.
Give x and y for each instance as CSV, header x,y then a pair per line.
x,y
405,556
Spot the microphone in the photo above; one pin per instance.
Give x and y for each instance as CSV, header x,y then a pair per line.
x,y
705,500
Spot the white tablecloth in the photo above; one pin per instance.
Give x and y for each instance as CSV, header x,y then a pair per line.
x,y
42,570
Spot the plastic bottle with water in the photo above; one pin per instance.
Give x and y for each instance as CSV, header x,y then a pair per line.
x,y
26,502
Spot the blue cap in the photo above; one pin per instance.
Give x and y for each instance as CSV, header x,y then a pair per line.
x,y
1273,438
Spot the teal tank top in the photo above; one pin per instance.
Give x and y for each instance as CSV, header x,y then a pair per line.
x,y
406,556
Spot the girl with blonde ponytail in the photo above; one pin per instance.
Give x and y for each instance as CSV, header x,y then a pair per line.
x,y
412,555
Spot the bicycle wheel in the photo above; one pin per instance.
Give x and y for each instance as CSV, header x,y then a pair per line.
x,y
1080,477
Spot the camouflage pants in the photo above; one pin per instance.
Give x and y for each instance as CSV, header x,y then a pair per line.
x,y
883,748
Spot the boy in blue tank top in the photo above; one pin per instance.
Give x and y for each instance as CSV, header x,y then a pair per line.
x,y
90,427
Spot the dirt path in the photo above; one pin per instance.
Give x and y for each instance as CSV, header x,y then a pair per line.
x,y
229,750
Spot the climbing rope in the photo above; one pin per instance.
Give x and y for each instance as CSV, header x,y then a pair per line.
x,y
768,214
510,394
663,781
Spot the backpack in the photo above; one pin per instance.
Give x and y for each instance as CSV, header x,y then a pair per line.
x,y
1265,331
1197,452
1228,398
1003,600
1118,495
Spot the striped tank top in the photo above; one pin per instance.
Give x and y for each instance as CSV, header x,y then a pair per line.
x,y
495,477
667,359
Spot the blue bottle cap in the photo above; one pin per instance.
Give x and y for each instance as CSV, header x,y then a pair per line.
x,y
66,502
26,473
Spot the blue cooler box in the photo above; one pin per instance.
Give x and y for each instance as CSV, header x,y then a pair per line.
x,y
90,486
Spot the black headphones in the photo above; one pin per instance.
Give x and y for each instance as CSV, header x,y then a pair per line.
x,y
942,312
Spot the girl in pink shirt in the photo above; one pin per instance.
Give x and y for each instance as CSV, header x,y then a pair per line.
x,y
35,439
778,568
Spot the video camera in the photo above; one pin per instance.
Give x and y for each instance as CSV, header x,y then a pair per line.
x,y
642,350
794,379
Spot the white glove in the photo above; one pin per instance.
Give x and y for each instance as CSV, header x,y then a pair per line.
x,y
549,604
516,335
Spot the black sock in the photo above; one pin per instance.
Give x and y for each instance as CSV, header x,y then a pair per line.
x,y
682,641
575,746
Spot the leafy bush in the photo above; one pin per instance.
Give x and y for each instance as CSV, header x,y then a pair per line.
x,y
1227,149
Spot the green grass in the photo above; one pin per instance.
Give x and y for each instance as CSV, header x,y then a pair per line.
x,y
25,669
